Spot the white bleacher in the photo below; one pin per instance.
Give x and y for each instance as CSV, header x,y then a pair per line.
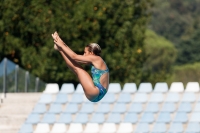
x,y
192,87
67,88
177,87
161,87
91,128
129,88
125,128
108,128
114,88
59,128
42,128
51,88
79,89
145,109
75,128
145,88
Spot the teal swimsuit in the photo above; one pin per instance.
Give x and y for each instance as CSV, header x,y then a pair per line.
x,y
96,75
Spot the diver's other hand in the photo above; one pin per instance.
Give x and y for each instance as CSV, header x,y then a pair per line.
x,y
56,47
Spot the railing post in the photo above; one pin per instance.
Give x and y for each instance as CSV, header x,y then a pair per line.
x,y
26,81
37,80
5,77
16,78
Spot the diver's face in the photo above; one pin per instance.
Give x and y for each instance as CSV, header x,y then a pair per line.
x,y
86,52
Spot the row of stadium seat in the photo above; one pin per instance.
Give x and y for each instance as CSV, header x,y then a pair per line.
x,y
111,128
104,108
122,98
130,117
128,87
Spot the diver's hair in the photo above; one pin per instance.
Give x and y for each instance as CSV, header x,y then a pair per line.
x,y
95,48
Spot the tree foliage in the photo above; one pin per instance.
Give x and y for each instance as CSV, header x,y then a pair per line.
x,y
189,50
161,55
178,21
118,26
185,73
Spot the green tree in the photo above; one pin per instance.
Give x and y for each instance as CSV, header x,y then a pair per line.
x,y
189,50
161,57
185,73
118,26
168,21
178,21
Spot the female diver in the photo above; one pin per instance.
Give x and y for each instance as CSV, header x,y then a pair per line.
x,y
96,87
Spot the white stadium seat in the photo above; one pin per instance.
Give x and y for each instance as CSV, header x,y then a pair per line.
x,y
177,87
192,87
67,88
51,88
42,128
161,87
145,88
114,88
129,88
